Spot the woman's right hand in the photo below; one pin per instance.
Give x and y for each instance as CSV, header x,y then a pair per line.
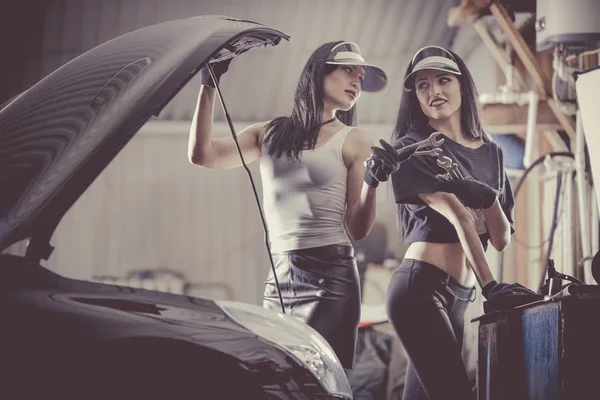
x,y
384,161
218,69
470,192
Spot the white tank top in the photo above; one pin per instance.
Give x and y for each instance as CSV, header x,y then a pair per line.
x,y
305,201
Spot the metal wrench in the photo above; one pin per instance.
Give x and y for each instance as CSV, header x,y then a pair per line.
x,y
436,152
431,141
457,172
450,166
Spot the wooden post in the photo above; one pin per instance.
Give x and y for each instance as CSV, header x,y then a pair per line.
x,y
490,42
531,64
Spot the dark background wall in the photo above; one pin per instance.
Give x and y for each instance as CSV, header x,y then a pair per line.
x,y
21,30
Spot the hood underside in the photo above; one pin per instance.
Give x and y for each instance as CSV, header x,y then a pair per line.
x,y
60,134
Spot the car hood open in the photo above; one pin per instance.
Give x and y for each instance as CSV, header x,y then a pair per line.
x,y
59,135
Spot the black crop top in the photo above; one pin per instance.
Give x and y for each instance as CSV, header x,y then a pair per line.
x,y
420,174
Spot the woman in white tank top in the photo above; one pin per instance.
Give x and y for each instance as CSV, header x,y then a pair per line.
x,y
312,167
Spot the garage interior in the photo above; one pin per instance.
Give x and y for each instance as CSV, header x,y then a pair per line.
x,y
152,220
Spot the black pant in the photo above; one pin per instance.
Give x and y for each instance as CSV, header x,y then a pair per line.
x,y
320,286
426,307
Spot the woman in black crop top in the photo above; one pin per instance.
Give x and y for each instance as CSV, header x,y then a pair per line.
x,y
446,222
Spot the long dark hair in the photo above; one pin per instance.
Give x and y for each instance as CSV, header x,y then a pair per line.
x,y
411,118
290,135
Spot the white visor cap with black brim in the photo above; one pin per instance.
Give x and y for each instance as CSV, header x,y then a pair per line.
x,y
431,57
348,53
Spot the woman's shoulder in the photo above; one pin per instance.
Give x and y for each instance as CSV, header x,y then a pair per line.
x,y
260,129
356,133
494,146
356,140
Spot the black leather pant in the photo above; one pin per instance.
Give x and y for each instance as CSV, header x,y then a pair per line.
x,y
321,287
426,307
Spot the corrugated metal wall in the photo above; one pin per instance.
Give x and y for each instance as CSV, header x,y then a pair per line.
x,y
261,83
152,209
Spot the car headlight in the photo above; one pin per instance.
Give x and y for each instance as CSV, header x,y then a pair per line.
x,y
305,343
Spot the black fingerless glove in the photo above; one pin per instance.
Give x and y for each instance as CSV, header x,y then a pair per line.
x,y
497,291
384,161
470,192
218,69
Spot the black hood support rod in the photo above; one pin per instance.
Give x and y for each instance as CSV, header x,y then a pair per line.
x,y
262,217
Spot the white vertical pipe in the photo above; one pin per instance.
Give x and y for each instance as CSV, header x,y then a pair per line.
x,y
595,224
546,216
534,221
548,190
531,137
534,255
595,228
566,205
558,252
582,195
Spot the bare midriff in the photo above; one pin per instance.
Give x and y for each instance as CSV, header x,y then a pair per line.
x,y
449,257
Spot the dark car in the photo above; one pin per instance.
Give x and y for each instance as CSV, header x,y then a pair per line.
x,y
62,338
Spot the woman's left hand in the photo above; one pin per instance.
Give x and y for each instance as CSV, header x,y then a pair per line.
x,y
479,220
470,192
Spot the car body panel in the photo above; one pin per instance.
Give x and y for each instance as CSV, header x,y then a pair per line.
x,y
66,338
